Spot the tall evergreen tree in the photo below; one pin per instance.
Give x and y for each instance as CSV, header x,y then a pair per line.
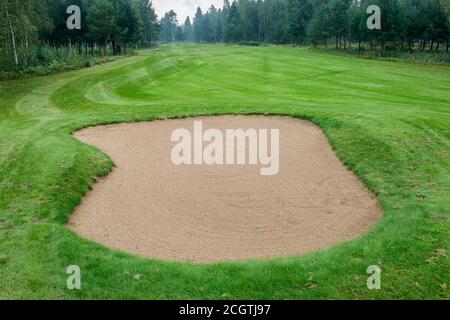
x,y
169,25
319,29
187,29
233,20
198,25
103,22
338,18
299,15
148,21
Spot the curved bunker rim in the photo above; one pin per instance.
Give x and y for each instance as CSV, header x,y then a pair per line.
x,y
211,213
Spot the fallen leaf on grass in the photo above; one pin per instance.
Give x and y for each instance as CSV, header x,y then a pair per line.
x,y
432,259
440,252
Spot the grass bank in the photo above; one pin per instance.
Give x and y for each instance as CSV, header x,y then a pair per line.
x,y
387,121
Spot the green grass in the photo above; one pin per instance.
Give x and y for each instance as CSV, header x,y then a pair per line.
x,y
387,121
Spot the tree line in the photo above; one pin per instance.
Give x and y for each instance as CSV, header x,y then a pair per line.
x,y
406,24
32,30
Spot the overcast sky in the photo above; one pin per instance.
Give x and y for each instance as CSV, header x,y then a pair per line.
x,y
184,8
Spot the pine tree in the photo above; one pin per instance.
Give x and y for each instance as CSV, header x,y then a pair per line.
x,y
299,16
168,27
148,21
319,29
102,19
233,32
187,29
198,25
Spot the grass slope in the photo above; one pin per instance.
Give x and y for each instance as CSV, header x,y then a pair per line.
x,y
388,122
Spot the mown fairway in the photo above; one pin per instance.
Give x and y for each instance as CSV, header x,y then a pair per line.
x,y
388,122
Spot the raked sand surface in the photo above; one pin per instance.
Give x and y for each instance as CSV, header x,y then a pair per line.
x,y
200,213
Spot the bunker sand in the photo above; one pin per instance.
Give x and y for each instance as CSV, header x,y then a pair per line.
x,y
200,213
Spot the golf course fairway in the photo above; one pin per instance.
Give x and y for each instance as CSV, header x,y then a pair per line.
x,y
388,122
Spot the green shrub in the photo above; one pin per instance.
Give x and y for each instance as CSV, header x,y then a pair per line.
x,y
47,60
392,54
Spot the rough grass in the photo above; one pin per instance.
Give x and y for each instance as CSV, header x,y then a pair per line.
x,y
387,121
391,54
56,66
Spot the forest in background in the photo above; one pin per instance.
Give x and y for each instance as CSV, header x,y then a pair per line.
x,y
35,40
34,37
406,24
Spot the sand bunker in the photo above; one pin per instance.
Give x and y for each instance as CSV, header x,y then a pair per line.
x,y
153,208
